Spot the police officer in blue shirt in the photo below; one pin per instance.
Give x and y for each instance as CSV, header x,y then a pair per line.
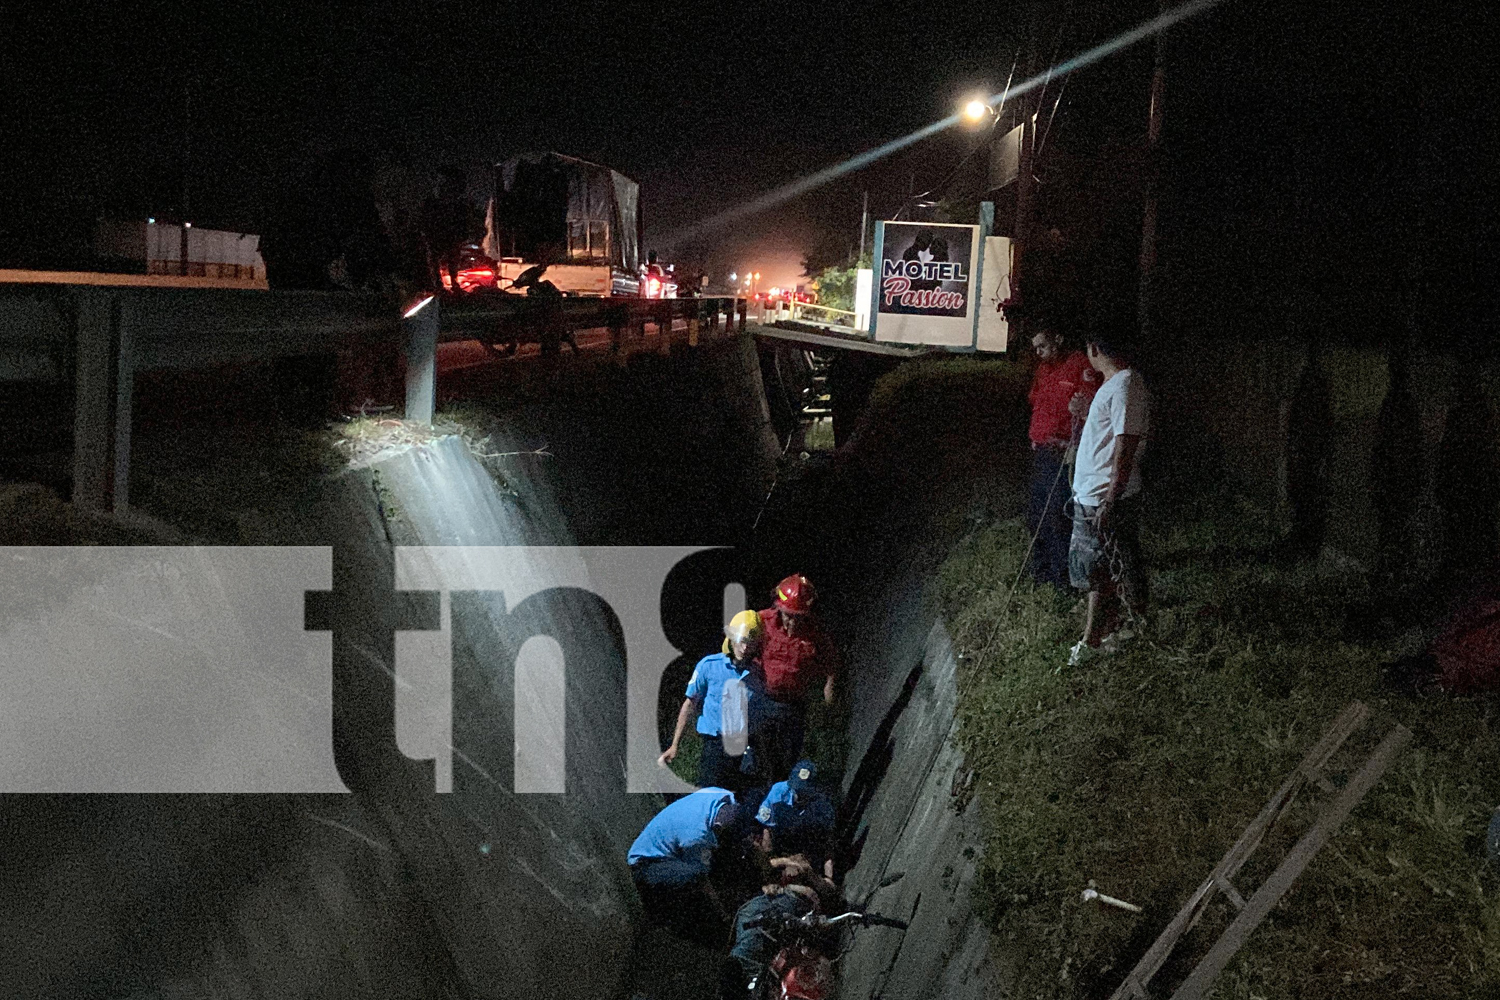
x,y
671,860
719,765
798,818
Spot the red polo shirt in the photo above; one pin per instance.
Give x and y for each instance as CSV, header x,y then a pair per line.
x,y
793,666
1052,387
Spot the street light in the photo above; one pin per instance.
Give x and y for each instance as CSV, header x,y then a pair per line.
x,y
976,110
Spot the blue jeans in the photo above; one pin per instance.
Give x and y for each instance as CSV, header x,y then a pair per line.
x,y
1049,556
779,728
674,894
665,873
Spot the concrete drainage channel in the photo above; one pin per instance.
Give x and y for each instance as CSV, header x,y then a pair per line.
x,y
911,813
397,890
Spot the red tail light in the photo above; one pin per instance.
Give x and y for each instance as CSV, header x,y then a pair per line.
x,y
653,288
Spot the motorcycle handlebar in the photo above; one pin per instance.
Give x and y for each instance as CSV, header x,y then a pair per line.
x,y
868,919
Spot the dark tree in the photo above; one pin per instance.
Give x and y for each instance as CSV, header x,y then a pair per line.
x,y
1309,443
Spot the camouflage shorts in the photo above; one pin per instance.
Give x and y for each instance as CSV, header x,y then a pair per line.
x,y
1088,560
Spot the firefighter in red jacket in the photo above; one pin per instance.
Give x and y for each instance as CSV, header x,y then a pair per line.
x,y
797,658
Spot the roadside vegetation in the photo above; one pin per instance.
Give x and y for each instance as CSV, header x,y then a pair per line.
x,y
1136,773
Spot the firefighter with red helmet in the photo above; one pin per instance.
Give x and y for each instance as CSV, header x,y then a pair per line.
x,y
797,658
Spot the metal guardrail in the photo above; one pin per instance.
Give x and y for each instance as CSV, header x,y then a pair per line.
x,y
99,337
815,307
809,311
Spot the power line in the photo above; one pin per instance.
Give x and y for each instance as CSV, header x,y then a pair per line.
x,y
816,180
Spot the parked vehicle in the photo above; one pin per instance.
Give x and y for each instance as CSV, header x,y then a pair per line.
x,y
582,219
658,282
475,270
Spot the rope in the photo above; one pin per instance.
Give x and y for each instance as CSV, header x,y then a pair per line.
x,y
1005,607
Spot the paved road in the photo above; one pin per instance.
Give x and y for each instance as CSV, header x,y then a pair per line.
x,y
9,276
460,354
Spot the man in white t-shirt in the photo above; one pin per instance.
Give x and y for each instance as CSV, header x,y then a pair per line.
x,y
1104,552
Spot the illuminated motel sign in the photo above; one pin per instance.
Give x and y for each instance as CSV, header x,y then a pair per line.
x,y
940,285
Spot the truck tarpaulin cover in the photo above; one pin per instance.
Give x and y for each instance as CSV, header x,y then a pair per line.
x,y
568,208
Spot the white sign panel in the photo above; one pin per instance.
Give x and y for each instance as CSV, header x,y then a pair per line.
x,y
864,284
994,329
924,288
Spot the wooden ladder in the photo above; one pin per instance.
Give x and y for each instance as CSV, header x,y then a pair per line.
x,y
1255,909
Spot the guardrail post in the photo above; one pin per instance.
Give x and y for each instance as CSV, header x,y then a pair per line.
x,y
742,306
420,326
93,352
693,319
618,319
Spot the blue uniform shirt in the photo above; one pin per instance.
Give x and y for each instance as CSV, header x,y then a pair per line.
x,y
683,830
707,683
802,812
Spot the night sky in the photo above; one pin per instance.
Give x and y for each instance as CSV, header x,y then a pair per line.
x,y
1330,147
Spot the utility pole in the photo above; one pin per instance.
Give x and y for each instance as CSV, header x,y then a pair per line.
x,y
1146,306
1023,207
864,224
187,150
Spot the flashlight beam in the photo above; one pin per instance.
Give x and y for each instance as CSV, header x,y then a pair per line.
x,y
812,181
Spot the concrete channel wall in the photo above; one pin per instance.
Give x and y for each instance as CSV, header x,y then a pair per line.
x,y
914,817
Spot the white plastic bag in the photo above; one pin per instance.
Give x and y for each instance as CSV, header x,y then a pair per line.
x,y
734,717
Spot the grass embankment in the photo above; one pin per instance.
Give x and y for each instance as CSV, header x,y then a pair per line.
x,y
1140,771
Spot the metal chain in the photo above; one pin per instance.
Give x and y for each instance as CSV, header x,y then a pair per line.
x,y
1110,543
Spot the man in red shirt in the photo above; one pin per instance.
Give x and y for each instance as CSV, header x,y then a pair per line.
x,y
1061,390
796,658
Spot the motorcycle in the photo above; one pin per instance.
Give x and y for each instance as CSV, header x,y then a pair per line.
x,y
805,949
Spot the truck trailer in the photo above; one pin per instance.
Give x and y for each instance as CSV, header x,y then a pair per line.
x,y
581,219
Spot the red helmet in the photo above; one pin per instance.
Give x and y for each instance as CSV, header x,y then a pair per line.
x,y
795,595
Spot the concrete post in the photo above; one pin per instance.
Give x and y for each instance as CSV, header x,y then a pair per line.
x,y
93,352
420,326
124,403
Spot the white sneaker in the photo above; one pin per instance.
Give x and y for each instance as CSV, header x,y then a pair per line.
x,y
1082,653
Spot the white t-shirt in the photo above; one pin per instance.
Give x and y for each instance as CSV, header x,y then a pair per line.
x,y
1121,406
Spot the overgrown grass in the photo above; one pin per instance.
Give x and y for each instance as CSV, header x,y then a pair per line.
x,y
1139,771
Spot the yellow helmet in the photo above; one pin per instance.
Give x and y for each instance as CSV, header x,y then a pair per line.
x,y
743,627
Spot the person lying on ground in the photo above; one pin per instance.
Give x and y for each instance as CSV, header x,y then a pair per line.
x,y
1464,657
717,694
798,890
796,658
